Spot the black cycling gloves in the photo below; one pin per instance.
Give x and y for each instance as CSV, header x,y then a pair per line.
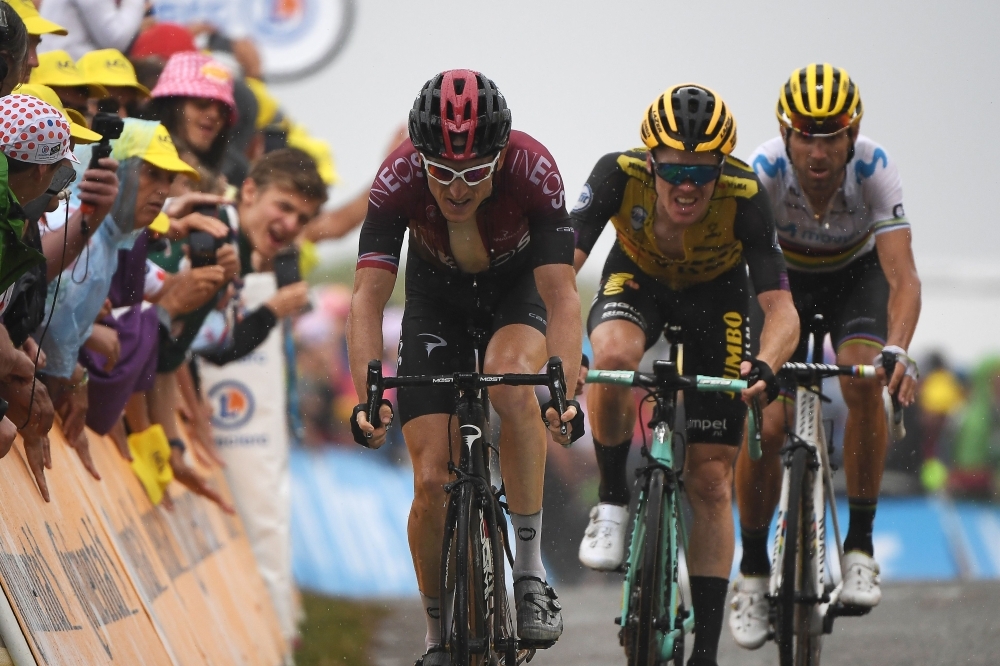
x,y
577,422
761,371
360,436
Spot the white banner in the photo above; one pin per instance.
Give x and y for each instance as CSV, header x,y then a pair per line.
x,y
250,424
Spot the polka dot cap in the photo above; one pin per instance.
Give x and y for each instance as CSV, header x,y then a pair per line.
x,y
33,131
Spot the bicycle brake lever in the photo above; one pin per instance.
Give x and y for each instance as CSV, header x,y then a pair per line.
x,y
557,387
374,384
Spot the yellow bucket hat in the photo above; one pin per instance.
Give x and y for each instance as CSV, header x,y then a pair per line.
x,y
33,21
162,153
77,123
267,106
151,461
317,149
57,69
109,67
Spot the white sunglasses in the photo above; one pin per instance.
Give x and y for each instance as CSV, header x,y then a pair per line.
x,y
471,176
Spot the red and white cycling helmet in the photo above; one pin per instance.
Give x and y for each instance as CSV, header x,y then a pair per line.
x,y
459,114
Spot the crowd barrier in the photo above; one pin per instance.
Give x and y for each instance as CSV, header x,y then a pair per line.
x,y
349,513
101,576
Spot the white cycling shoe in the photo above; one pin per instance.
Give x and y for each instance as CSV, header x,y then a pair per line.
x,y
749,610
861,580
603,546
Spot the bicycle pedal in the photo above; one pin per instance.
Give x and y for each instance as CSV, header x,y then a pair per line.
x,y
534,645
849,610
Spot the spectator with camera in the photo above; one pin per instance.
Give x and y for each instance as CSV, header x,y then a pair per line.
x,y
147,164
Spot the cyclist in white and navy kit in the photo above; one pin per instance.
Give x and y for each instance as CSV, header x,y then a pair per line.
x,y
838,207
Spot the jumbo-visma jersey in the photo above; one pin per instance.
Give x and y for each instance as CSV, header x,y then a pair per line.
x,y
738,225
869,202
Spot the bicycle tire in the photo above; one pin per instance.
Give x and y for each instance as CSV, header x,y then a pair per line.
x,y
807,645
785,624
469,636
648,583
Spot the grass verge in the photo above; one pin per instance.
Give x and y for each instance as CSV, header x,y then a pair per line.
x,y
337,632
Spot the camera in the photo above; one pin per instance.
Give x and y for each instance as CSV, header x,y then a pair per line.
x,y
109,126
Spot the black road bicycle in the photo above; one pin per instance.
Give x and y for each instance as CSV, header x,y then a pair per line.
x,y
482,631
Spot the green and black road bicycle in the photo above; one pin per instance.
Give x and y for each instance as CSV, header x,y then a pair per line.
x,y
654,619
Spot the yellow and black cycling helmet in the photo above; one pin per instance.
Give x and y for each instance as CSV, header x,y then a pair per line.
x,y
689,117
819,100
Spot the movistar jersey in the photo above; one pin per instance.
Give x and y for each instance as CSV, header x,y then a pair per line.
x,y
738,226
869,202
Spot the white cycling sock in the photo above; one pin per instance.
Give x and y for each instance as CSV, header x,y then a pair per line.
x,y
433,616
528,537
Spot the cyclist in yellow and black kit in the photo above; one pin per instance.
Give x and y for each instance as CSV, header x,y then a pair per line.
x,y
691,221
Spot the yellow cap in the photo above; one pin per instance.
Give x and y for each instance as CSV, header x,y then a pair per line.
x,y
33,21
150,451
56,68
162,153
109,67
160,224
267,105
77,125
317,149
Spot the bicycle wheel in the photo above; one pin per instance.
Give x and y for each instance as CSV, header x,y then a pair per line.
x,y
785,621
642,635
807,645
470,644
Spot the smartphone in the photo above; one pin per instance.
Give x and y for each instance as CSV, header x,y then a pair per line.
x,y
208,210
201,249
286,268
34,209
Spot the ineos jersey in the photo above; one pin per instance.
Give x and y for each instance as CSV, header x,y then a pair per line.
x,y
869,202
737,227
523,222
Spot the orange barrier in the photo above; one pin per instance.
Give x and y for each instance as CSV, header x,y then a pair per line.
x,y
101,576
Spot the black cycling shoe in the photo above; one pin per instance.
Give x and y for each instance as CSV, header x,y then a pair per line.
x,y
436,656
539,615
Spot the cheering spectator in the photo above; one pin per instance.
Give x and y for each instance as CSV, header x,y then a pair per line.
x,y
194,101
94,24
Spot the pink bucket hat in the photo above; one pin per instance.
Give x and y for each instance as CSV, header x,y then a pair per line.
x,y
33,131
192,74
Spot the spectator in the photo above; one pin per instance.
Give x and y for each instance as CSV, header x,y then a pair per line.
x,y
977,446
57,70
147,164
94,24
31,167
194,101
940,397
37,28
111,69
161,41
13,50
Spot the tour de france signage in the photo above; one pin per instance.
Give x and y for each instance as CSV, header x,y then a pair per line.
x,y
296,38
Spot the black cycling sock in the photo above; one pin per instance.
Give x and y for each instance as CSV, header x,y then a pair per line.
x,y
755,561
708,595
613,463
859,534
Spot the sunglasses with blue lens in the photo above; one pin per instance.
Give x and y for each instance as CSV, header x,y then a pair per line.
x,y
698,174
